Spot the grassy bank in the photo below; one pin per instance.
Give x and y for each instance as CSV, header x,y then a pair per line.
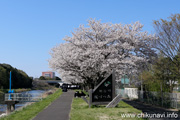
x,y
15,90
81,111
31,111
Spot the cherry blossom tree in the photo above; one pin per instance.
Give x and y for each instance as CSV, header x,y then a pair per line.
x,y
91,53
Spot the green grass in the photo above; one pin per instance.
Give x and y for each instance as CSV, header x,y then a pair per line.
x,y
81,111
29,112
80,91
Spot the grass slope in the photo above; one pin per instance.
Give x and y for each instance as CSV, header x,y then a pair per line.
x,y
81,111
29,112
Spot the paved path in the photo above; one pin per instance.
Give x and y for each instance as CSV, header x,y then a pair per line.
x,y
59,109
150,110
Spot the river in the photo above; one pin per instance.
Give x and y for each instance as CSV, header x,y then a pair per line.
x,y
34,93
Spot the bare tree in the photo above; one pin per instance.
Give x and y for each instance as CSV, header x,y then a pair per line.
x,y
168,32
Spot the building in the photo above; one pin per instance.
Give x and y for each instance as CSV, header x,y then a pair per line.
x,y
48,74
125,80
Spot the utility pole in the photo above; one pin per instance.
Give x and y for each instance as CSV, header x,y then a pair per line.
x,y
10,91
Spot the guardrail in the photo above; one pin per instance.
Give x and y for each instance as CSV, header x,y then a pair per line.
x,y
23,97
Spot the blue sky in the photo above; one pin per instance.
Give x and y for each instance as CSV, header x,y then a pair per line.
x,y
30,28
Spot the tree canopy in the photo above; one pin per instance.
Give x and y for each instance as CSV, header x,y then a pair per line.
x,y
48,78
19,78
162,74
168,32
92,52
168,42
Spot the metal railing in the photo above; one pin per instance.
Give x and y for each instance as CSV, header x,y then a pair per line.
x,y
23,97
167,100
164,99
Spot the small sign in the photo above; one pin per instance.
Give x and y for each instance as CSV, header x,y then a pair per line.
x,y
104,92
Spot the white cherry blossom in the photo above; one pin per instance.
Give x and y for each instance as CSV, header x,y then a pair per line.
x,y
92,52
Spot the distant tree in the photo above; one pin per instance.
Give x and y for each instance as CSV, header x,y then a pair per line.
x,y
168,32
3,77
49,78
162,76
168,42
164,72
42,78
41,85
149,81
19,78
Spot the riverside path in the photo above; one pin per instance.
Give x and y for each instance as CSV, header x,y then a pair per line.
x,y
59,109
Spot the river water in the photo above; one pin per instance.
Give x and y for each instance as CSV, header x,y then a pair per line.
x,y
34,93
